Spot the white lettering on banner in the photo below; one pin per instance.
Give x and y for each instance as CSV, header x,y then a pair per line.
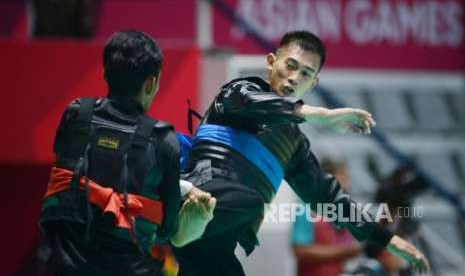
x,y
429,23
454,17
272,18
425,23
358,25
330,21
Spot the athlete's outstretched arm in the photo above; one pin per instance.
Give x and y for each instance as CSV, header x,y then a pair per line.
x,y
316,187
342,120
245,100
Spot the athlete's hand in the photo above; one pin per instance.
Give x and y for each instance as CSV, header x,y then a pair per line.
x,y
408,252
350,120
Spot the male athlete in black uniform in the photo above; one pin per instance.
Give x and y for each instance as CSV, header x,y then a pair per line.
x,y
114,192
249,141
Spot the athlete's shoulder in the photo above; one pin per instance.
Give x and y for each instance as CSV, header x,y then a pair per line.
x,y
158,124
75,104
255,83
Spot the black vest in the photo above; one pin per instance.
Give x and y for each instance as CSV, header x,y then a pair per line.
x,y
120,154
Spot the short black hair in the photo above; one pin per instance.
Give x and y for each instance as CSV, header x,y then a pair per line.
x,y
305,40
129,57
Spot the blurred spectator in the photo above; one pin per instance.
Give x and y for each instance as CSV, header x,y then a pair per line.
x,y
63,18
320,248
396,190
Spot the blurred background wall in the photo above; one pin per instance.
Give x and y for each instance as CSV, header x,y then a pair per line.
x,y
402,60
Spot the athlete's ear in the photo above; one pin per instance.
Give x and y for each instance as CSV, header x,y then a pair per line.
x,y
150,84
270,60
156,82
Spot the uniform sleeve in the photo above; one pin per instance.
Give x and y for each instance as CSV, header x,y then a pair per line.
x,y
69,113
245,100
314,186
169,189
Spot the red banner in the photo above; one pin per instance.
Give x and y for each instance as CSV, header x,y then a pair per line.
x,y
392,34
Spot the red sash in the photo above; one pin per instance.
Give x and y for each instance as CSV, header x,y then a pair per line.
x,y
109,200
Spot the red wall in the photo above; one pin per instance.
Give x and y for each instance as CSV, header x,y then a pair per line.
x,y
39,79
43,77
172,22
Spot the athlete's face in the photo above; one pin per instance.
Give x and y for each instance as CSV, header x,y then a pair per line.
x,y
293,71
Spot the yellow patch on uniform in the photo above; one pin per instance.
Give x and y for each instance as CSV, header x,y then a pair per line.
x,y
108,142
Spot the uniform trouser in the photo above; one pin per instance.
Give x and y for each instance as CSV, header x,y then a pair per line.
x,y
68,256
238,207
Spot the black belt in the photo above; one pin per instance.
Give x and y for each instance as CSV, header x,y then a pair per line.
x,y
226,173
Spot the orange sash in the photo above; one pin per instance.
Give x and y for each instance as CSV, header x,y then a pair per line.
x,y
109,200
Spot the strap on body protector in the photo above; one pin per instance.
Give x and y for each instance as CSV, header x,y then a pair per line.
x,y
83,127
72,200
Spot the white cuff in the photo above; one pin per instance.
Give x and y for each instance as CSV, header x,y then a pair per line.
x,y
185,187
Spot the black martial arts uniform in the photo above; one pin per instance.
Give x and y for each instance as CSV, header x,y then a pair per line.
x,y
241,188
79,238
